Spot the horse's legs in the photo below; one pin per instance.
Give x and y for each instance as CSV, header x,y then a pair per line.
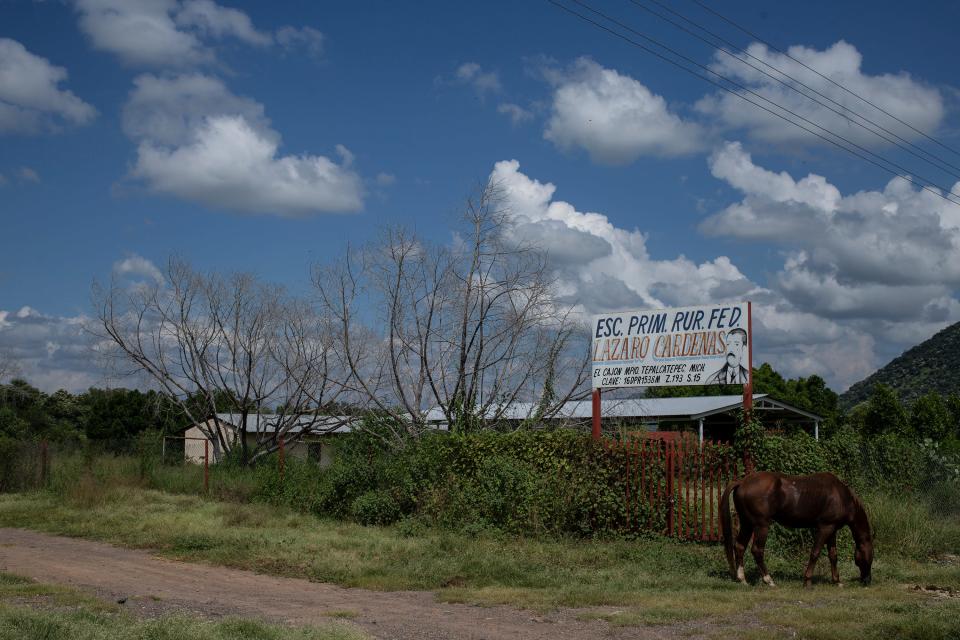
x,y
823,533
832,552
759,542
743,539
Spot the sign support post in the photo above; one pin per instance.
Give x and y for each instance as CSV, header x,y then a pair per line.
x,y
596,414
748,387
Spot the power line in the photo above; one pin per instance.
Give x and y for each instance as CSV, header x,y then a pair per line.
x,y
827,78
907,177
936,161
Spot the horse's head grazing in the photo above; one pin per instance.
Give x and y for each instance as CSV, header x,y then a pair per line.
x,y
863,541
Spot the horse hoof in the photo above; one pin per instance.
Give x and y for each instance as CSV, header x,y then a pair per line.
x,y
807,584
769,581
839,584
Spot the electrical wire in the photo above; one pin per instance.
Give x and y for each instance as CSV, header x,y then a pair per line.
x,y
846,112
938,190
827,78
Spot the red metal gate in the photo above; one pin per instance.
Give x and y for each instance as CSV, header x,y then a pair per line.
x,y
674,486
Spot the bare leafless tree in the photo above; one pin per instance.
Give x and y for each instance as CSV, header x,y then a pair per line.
x,y
9,367
470,328
209,340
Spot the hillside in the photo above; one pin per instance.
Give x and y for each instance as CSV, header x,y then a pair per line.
x,y
932,365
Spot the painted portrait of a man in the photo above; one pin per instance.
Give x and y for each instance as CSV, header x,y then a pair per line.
x,y
734,370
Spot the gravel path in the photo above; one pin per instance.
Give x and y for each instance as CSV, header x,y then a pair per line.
x,y
154,585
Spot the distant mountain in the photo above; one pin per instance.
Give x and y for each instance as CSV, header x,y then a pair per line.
x,y
932,365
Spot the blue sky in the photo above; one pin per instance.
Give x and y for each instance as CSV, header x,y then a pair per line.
x,y
266,136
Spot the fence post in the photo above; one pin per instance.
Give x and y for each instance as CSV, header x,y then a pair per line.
x,y
669,466
142,456
206,466
596,409
44,468
281,452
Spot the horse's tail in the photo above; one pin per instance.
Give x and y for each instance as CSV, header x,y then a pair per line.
x,y
726,525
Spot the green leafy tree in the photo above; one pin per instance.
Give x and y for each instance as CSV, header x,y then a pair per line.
x,y
885,413
116,414
28,413
811,393
953,406
767,380
930,417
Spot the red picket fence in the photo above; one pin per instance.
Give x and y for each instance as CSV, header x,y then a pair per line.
x,y
674,486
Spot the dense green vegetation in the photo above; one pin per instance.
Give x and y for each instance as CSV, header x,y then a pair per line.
x,y
811,393
530,481
931,366
26,413
545,484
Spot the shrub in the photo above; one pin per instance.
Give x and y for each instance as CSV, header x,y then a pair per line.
x,y
795,454
930,417
498,493
375,507
893,462
12,461
748,438
842,454
884,412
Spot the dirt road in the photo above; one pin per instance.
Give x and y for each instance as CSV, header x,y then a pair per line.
x,y
117,573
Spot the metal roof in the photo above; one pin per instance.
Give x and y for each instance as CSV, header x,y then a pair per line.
x,y
267,423
691,408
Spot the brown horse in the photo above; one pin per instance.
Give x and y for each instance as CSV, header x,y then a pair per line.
x,y
819,501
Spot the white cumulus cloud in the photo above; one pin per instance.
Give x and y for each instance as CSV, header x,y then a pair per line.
x,y
31,99
228,164
51,352
179,33
603,266
882,264
141,32
472,74
882,243
614,117
198,141
168,110
308,38
138,266
211,19
805,321
516,113
907,98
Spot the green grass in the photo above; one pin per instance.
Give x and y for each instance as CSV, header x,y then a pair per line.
x,y
29,611
648,581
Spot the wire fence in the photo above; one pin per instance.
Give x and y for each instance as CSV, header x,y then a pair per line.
x,y
29,464
33,464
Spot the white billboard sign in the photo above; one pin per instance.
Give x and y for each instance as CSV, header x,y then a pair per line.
x,y
671,347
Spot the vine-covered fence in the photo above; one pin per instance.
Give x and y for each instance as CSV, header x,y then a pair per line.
x,y
674,486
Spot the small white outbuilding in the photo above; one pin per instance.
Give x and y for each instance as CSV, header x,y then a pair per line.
x,y
319,444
